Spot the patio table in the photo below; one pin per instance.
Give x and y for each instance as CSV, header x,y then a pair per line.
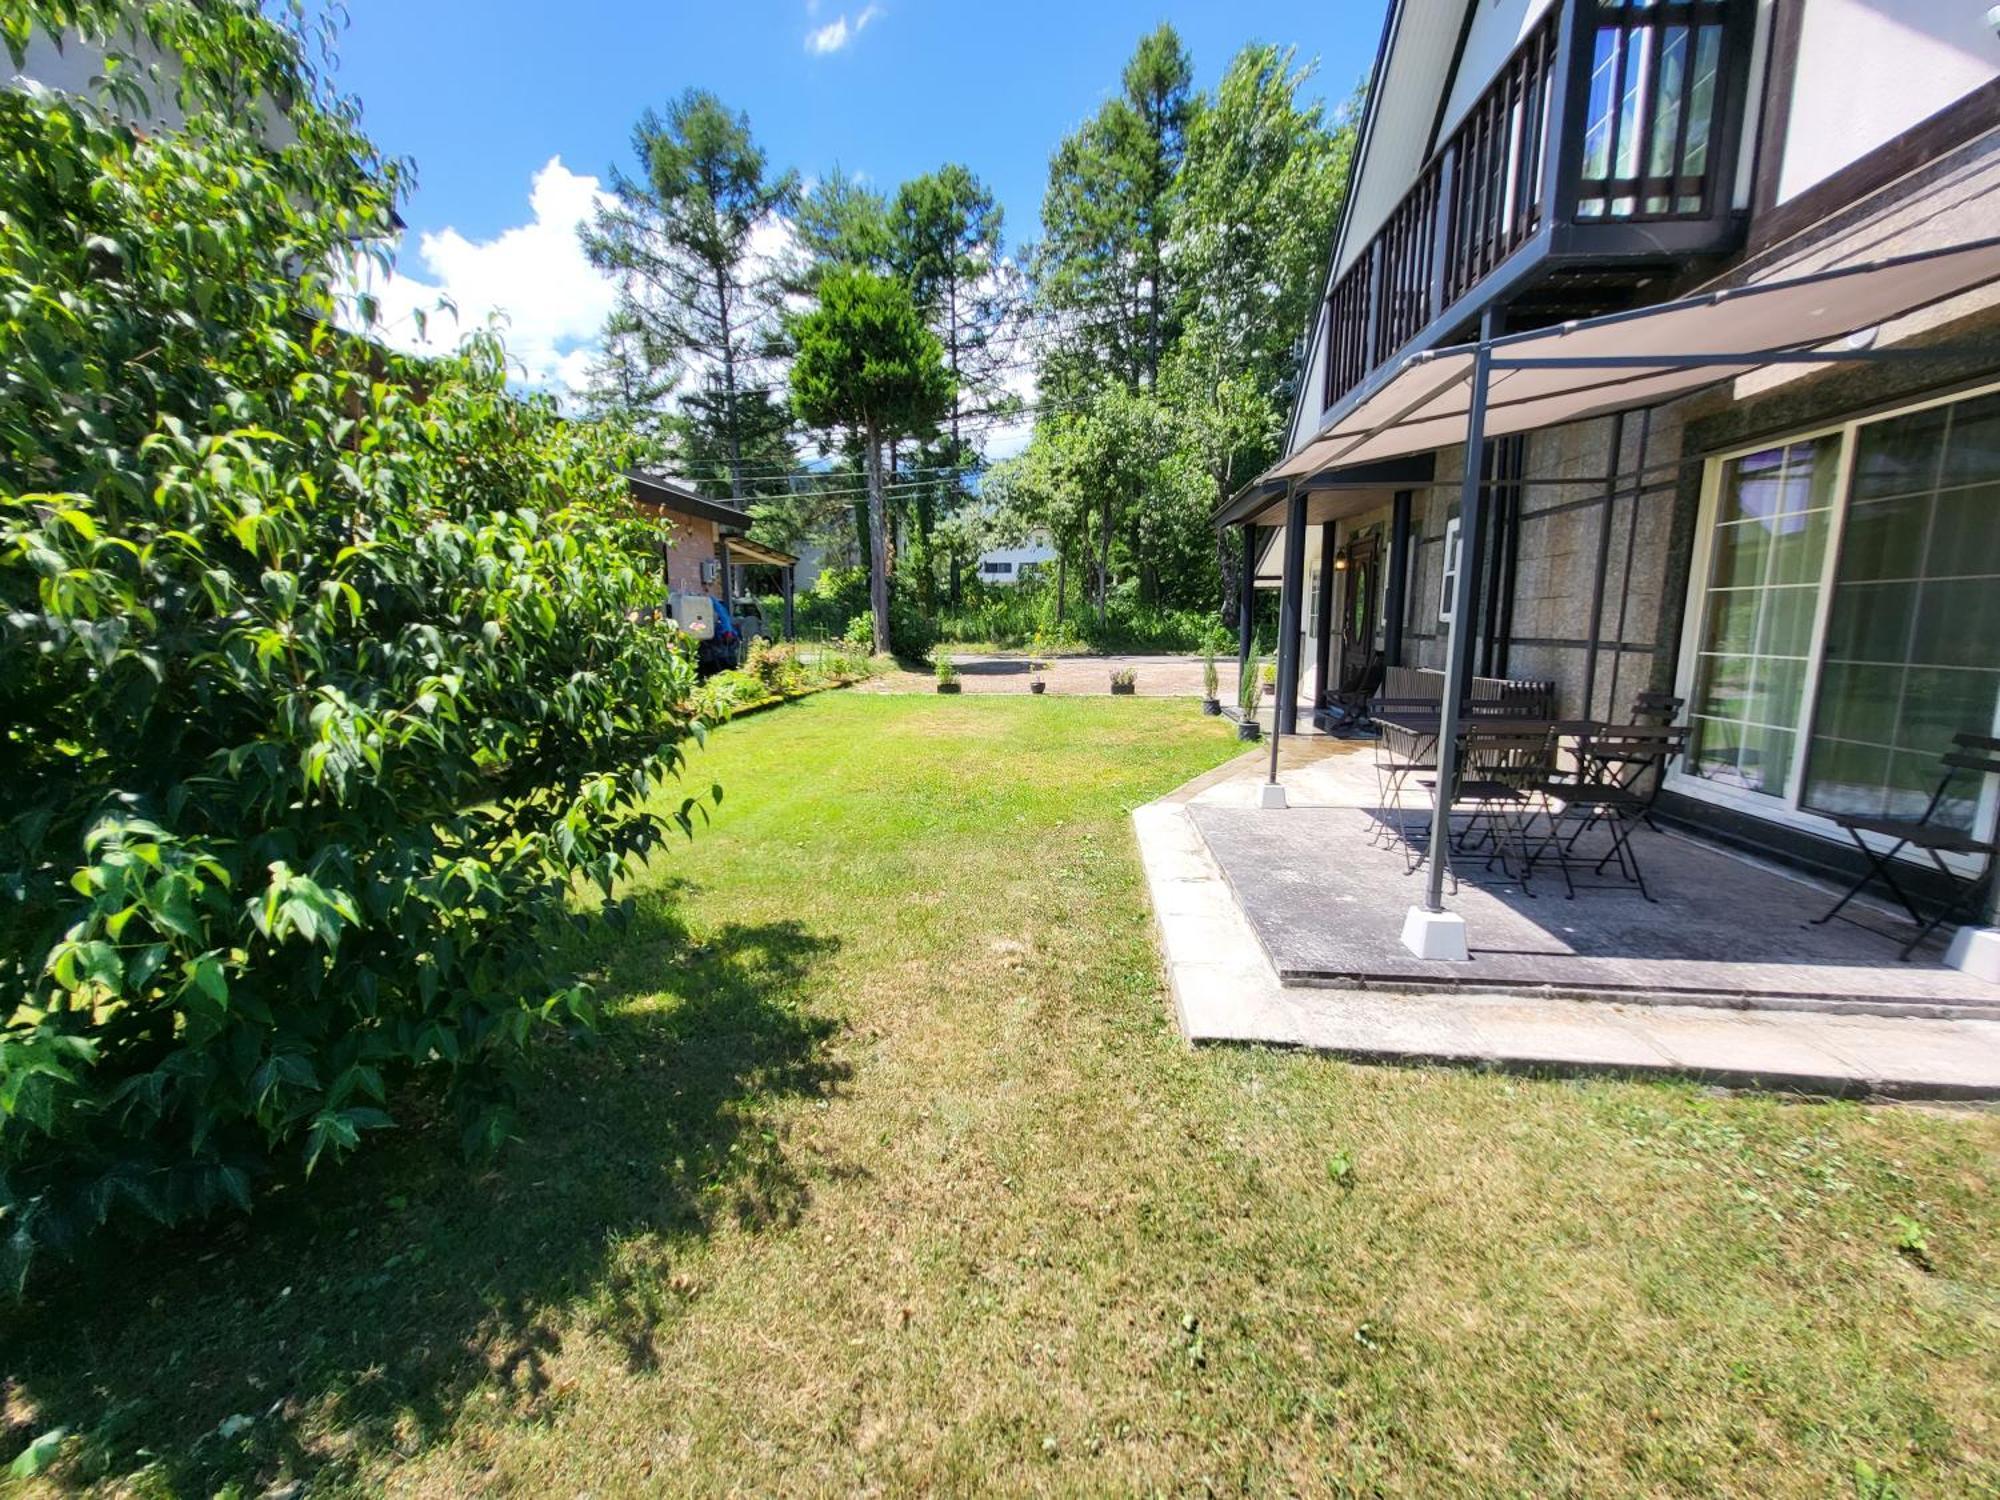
x,y
1409,740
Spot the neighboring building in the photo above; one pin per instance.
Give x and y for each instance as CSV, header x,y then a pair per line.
x,y
1808,554
709,545
1012,564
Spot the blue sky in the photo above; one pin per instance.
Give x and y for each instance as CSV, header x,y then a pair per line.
x,y
486,94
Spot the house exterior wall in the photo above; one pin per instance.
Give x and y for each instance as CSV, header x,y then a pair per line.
x,y
1867,70
1645,633
1399,126
1005,564
75,66
1498,27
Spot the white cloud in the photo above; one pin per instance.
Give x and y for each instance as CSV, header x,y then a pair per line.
x,y
838,32
533,279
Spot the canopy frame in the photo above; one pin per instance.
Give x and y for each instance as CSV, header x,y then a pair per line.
x,y
1806,327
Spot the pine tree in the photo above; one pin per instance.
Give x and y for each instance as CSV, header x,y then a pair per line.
x,y
679,239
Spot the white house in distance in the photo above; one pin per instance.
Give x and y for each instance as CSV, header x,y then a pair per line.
x,y
1012,564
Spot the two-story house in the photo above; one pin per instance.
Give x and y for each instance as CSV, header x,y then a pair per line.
x,y
1780,504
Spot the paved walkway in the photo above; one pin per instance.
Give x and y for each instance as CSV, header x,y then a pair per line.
x,y
1225,989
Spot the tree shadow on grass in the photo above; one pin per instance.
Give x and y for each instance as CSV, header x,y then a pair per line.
x,y
359,1313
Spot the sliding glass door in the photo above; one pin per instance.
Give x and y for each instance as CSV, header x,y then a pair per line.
x,y
1848,616
1912,652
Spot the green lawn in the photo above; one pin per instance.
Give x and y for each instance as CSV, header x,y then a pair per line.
x,y
889,1172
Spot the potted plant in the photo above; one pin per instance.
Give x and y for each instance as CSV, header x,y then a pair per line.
x,y
1247,727
947,674
1124,682
1269,676
1036,665
1210,683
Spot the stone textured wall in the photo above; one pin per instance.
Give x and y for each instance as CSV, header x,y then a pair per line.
x,y
1562,527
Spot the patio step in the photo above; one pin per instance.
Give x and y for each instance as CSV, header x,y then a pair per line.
x,y
1961,1009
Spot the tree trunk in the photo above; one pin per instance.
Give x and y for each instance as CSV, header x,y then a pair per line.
x,y
1062,581
878,542
729,386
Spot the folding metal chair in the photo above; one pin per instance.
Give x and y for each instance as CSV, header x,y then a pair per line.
x,y
1657,708
1502,772
1407,745
1977,755
1613,761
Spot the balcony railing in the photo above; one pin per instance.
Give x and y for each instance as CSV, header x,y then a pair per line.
x,y
1639,141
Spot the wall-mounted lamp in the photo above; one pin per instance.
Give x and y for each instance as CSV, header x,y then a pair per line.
x,y
1340,561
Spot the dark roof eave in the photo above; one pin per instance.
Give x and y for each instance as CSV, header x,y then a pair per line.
x,y
1247,501
672,496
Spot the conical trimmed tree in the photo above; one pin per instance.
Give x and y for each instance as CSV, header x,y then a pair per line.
x,y
867,364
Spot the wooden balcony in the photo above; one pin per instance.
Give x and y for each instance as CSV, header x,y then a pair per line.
x,y
1600,155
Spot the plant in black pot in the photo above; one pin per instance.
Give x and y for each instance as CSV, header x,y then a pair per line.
x,y
1210,684
1036,666
1124,682
947,674
1246,700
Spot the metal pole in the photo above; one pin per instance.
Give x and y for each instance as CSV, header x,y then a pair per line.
x,y
1631,537
1323,618
1291,618
1272,779
1246,605
1457,642
1589,709
1396,606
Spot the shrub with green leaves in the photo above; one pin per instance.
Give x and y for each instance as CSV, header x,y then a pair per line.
x,y
328,689
1246,685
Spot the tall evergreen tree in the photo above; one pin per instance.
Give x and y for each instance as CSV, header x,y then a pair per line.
x,y
1184,243
1107,217
946,242
624,385
839,221
678,236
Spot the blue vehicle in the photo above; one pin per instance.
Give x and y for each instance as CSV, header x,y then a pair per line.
x,y
724,649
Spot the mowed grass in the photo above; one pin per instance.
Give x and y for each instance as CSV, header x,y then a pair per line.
x,y
889,1173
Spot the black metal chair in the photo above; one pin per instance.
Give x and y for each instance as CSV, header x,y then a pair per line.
x,y
1406,746
1503,770
1352,699
1657,708
1613,761
1977,755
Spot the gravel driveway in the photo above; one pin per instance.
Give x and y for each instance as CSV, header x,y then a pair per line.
x,y
1156,676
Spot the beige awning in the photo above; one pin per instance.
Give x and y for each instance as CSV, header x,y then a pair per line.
x,y
741,547
1628,360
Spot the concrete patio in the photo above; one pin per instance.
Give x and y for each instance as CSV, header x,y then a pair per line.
x,y
1283,926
